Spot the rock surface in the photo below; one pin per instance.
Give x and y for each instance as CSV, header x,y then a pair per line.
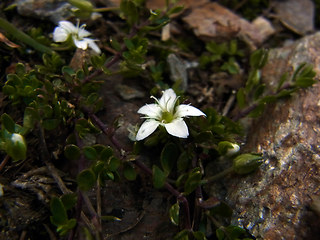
x,y
290,14
215,22
54,10
274,202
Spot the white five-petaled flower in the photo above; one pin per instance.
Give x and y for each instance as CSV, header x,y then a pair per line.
x,y
78,33
165,113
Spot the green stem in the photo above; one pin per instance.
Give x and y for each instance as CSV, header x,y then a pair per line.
x,y
106,9
21,36
217,176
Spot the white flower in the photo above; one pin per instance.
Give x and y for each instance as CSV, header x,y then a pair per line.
x,y
78,33
165,113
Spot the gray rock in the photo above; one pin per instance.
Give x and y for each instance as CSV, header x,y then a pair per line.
x,y
53,10
297,15
274,202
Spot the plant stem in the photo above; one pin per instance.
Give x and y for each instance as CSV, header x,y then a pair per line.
x,y
217,176
244,112
172,190
106,9
21,36
46,159
118,56
4,162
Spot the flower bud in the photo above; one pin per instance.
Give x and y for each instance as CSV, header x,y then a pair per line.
x,y
82,5
246,163
228,148
16,147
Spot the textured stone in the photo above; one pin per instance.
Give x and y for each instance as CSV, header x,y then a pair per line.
x,y
297,15
274,202
54,10
215,22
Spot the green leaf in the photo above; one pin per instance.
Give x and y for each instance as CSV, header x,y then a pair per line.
x,y
257,111
129,11
90,153
8,90
222,209
183,235
20,69
285,93
113,163
253,80
72,152
259,91
268,99
181,179
109,175
168,157
199,235
158,177
175,9
304,82
246,163
92,98
220,234
110,218
174,213
183,161
106,153
259,58
68,70
29,118
86,179
46,111
283,79
50,124
98,167
58,211
8,123
193,181
115,44
65,228
14,80
129,44
241,98
129,172
69,200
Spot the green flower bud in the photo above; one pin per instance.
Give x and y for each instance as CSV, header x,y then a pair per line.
x,y
82,5
228,148
16,147
246,163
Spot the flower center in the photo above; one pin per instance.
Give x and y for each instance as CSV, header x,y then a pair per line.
x,y
166,117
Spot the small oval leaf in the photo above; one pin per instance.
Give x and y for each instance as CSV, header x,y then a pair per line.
x,y
72,152
86,180
174,214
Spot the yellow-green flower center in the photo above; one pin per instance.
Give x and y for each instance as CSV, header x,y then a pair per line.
x,y
166,117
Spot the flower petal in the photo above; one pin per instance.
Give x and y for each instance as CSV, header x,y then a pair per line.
x,y
168,100
93,45
151,111
148,127
68,26
184,110
83,33
83,44
177,128
60,34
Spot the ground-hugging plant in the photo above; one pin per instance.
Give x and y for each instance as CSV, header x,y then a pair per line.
x,y
52,98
